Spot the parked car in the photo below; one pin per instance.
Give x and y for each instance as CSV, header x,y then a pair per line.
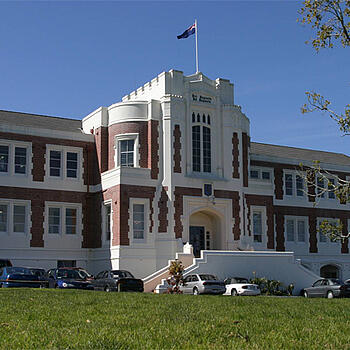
x,y
117,280
18,277
240,286
68,278
41,276
5,262
328,288
202,284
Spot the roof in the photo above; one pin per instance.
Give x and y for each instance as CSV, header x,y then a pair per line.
x,y
298,153
40,121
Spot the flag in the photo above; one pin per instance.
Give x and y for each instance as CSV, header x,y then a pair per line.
x,y
189,31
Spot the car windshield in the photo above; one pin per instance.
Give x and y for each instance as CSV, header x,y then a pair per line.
x,y
208,278
74,274
241,280
38,272
84,273
19,270
122,274
335,281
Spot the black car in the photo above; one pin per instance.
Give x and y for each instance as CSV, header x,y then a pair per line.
x,y
5,262
68,278
41,276
18,277
327,288
117,280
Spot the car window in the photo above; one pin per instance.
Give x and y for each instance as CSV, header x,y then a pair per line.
x,y
317,283
188,279
325,283
195,278
99,275
105,275
207,277
241,280
335,281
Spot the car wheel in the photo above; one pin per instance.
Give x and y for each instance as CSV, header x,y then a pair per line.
x,y
107,289
234,292
330,295
195,291
56,286
306,295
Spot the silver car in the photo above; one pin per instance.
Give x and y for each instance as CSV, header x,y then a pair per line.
x,y
202,284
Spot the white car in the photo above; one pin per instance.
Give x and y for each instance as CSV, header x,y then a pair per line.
x,y
240,286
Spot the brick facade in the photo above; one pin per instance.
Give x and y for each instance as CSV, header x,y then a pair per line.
x,y
235,156
177,149
245,153
163,210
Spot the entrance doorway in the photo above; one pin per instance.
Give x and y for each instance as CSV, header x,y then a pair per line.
x,y
197,239
329,271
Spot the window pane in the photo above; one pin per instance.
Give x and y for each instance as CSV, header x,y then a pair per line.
x,y
193,118
320,187
138,221
20,160
4,159
289,184
290,230
196,148
301,231
257,227
203,119
300,186
127,153
206,150
55,163
331,184
254,174
19,218
108,221
54,220
208,119
265,175
3,218
71,221
72,164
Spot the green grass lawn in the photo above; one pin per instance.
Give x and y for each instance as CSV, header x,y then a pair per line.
x,y
61,319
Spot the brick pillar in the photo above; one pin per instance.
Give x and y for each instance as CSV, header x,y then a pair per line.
x,y
163,211
313,234
280,232
270,225
37,218
38,160
278,175
235,155
245,146
153,148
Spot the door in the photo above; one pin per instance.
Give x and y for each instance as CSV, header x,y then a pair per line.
x,y
197,239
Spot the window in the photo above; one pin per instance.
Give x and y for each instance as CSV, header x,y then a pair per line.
x,y
64,162
55,163
66,263
20,160
3,217
257,226
259,174
138,221
63,218
71,221
331,185
201,144
4,159
295,230
289,184
320,187
299,186
321,236
19,218
55,220
14,216
254,174
265,175
127,153
107,208
72,164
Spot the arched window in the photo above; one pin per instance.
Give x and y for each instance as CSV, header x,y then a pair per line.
x,y
203,118
198,118
206,150
193,118
196,148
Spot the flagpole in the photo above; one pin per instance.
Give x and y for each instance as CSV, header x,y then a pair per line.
x,y
197,70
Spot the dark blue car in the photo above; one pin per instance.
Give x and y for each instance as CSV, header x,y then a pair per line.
x,y
69,278
18,277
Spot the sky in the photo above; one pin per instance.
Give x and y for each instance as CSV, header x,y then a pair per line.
x,y
67,58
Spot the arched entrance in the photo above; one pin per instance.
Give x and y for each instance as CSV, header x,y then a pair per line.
x,y
204,231
329,271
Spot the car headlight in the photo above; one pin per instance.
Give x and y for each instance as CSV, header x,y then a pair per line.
x,y
64,285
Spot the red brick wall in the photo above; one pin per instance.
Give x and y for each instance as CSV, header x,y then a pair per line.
x,y
177,149
245,152
179,192
90,209
163,211
280,232
345,243
39,150
312,234
235,155
264,201
140,128
234,196
120,196
153,148
102,147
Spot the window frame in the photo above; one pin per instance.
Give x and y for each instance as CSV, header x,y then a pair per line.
x,y
326,239
296,220
117,149
11,161
145,203
104,220
260,172
10,204
295,188
262,211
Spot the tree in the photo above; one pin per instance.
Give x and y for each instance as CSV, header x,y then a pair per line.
x,y
176,270
331,21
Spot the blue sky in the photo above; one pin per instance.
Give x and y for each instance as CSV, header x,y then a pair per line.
x,y
67,58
